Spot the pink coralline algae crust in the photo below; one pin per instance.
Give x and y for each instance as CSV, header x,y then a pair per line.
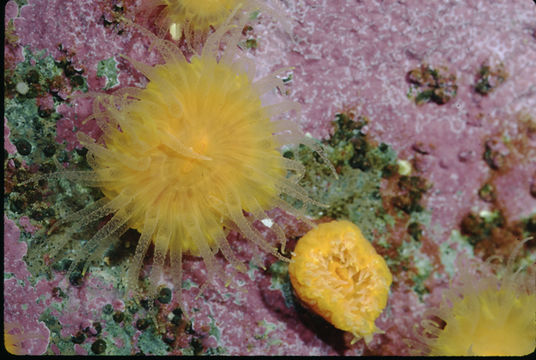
x,y
24,221
351,54
14,251
403,311
346,55
24,304
250,315
74,115
79,27
8,146
11,10
21,309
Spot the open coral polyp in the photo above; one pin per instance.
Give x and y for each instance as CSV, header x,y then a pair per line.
x,y
182,159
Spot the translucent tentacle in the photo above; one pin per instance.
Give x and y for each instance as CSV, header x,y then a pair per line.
x,y
100,151
149,226
116,222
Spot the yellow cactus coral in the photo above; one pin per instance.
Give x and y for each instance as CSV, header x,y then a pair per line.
x,y
487,314
339,275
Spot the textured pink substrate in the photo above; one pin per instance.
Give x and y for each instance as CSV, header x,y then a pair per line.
x,y
78,27
21,310
8,146
345,54
350,54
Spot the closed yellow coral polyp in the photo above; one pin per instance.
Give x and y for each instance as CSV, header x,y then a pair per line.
x,y
339,275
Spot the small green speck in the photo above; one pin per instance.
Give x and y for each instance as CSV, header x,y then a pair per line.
x,y
404,167
22,88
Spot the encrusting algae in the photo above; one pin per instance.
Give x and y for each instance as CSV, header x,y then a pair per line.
x,y
338,274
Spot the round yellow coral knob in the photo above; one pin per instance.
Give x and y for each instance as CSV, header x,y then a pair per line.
x,y
339,275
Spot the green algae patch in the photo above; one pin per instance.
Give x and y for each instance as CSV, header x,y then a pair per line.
x,y
377,191
429,84
107,69
150,343
488,78
279,280
361,165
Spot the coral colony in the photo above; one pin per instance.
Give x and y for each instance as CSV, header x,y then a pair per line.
x,y
266,177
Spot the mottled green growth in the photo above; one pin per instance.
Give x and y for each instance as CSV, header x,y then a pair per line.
x,y
449,250
42,74
492,155
64,344
487,193
488,79
33,131
216,351
266,335
280,280
410,254
214,330
411,190
479,227
529,227
107,68
361,165
38,70
431,85
151,343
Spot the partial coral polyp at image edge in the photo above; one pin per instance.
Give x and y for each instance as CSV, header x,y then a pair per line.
x,y
339,275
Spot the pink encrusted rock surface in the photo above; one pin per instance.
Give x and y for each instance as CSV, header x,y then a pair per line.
x,y
346,55
351,54
8,146
78,27
14,250
250,314
21,308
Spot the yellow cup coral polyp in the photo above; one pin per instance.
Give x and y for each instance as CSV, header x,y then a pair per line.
x,y
339,275
182,159
487,314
